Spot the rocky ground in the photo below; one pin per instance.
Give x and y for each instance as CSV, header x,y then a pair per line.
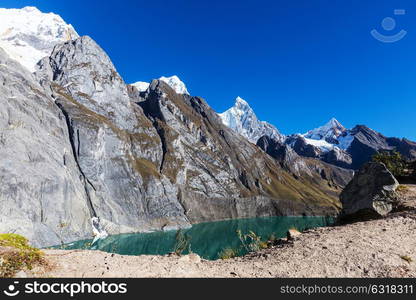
x,y
376,248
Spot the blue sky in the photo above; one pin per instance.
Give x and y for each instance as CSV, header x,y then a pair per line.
x,y
297,62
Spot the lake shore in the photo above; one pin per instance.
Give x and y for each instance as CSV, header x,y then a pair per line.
x,y
375,248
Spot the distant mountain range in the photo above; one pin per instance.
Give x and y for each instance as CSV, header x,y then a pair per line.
x,y
331,143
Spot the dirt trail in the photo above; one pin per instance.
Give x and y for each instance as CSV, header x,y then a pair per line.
x,y
377,248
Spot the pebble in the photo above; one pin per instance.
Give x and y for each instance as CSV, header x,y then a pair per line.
x,y
21,274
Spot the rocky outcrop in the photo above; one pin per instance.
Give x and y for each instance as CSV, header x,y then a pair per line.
x,y
372,191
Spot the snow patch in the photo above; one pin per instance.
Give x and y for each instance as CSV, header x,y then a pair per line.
x,y
321,144
345,141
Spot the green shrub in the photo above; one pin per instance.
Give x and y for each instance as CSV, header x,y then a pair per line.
x,y
183,242
272,238
17,254
228,253
251,241
412,168
393,161
402,188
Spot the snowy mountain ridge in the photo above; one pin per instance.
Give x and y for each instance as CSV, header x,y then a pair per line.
x,y
328,132
27,35
141,86
242,119
175,83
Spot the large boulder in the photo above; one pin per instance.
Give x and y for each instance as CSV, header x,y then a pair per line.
x,y
371,191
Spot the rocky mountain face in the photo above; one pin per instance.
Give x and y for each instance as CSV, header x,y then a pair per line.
x,y
242,119
117,150
366,142
42,194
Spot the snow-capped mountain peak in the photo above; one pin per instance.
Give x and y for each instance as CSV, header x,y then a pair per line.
x,y
242,119
328,132
28,35
241,108
240,102
141,86
175,83
31,9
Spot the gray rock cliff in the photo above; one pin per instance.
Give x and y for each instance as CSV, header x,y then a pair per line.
x,y
116,147
41,192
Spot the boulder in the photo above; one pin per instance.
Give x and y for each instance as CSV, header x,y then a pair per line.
x,y
372,190
292,234
191,258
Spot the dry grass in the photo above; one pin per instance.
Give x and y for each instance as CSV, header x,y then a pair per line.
x,y
16,254
402,188
406,258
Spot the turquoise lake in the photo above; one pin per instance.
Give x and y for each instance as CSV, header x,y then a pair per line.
x,y
206,239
